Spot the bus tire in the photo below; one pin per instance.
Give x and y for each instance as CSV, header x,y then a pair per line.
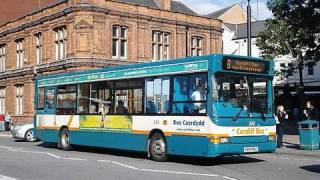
x,y
64,140
158,148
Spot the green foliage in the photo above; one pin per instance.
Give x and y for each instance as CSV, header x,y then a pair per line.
x,y
294,31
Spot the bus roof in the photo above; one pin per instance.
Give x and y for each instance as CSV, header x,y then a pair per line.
x,y
189,64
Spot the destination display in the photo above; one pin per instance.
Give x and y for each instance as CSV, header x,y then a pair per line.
x,y
245,65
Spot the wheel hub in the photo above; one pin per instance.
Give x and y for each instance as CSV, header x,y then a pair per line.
x,y
159,147
30,136
65,139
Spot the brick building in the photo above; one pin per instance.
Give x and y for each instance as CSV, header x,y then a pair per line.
x,y
70,35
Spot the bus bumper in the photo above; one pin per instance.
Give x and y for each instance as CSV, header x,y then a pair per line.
x,y
237,149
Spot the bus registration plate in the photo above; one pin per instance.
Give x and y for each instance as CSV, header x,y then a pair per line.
x,y
251,149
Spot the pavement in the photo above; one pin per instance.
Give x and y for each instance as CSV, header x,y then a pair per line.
x,y
291,141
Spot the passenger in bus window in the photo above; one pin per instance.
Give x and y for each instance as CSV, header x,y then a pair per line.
x,y
121,109
93,109
197,96
151,107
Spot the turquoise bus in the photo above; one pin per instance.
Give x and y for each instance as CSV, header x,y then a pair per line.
x,y
205,106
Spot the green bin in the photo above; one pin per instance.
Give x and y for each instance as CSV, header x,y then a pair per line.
x,y
309,135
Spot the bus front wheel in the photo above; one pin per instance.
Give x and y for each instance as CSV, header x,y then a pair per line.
x,y
158,148
64,140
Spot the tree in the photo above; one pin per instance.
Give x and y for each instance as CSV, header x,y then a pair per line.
x,y
294,31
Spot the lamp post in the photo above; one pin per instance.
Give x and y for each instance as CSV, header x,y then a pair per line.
x,y
249,28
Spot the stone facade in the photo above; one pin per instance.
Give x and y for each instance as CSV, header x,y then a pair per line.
x,y
87,41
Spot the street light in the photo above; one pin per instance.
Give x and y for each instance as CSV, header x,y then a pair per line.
x,y
249,28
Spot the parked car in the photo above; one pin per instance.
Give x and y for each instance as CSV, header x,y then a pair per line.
x,y
24,132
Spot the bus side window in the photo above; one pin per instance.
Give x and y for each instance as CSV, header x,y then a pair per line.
x,y
40,98
128,96
190,94
157,95
83,98
100,93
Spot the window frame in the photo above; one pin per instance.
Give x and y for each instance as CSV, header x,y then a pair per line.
x,y
310,68
2,57
2,100
160,44
19,53
117,37
197,47
190,101
38,48
63,110
38,99
19,99
60,42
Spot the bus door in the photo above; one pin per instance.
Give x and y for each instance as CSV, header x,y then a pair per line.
x,y
50,101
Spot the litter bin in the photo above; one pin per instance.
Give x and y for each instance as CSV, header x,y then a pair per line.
x,y
309,135
2,124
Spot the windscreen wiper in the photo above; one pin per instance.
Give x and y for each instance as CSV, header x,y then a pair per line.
x,y
236,117
263,116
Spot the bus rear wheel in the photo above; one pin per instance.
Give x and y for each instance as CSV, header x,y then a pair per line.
x,y
64,140
158,148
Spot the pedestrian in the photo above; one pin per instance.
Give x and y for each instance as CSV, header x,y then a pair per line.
x,y
281,116
311,112
7,120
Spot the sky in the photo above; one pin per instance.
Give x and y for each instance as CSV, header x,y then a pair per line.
x,y
208,6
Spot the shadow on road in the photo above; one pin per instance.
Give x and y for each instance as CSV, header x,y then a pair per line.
x,y
312,168
236,159
174,159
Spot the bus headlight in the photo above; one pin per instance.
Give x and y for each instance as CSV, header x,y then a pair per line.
x,y
272,137
217,140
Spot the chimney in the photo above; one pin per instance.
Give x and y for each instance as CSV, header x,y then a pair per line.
x,y
164,4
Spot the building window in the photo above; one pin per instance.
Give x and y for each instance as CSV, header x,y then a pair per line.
x,y
196,46
310,70
38,38
160,45
2,57
19,99
19,53
119,42
2,100
61,42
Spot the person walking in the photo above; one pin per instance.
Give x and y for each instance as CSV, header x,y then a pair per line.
x,y
281,116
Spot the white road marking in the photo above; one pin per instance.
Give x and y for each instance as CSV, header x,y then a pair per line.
x,y
55,156
113,162
2,177
32,152
75,159
15,149
164,171
177,172
5,135
105,161
124,165
230,178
